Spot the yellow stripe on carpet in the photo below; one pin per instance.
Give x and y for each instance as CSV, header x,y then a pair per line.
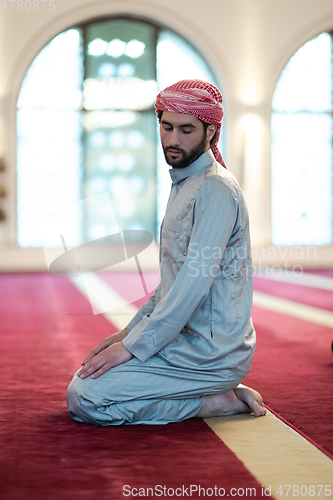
x,y
276,455
102,298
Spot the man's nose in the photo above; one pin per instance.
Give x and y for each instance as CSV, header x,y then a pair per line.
x,y
174,139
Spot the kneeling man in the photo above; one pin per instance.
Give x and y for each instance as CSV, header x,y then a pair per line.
x,y
186,351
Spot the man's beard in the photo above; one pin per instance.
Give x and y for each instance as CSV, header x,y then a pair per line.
x,y
188,157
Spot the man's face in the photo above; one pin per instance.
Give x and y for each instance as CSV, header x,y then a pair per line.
x,y
183,138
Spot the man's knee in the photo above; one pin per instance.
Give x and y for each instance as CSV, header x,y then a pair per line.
x,y
74,399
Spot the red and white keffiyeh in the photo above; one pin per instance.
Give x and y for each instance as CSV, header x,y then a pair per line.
x,y
198,98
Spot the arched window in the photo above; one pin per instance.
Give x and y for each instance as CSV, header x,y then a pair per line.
x,y
302,134
86,125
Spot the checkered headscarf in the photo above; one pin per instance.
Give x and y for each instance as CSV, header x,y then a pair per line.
x,y
198,98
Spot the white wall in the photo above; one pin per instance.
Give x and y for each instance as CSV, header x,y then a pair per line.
x,y
247,42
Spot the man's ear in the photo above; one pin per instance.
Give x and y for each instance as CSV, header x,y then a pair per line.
x,y
210,132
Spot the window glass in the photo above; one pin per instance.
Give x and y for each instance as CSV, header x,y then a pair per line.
x,y
302,195
86,125
305,83
49,148
54,79
120,130
120,159
178,60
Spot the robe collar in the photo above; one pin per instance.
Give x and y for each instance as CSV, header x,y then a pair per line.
x,y
178,174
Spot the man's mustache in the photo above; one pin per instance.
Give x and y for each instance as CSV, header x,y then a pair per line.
x,y
173,149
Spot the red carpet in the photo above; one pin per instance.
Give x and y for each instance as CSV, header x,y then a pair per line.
x,y
46,329
293,363
293,375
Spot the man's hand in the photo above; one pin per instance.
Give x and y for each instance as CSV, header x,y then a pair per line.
x,y
111,356
113,339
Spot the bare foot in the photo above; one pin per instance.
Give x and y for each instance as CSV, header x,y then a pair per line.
x,y
252,398
240,400
222,404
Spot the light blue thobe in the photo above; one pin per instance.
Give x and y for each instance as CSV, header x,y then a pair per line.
x,y
195,335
